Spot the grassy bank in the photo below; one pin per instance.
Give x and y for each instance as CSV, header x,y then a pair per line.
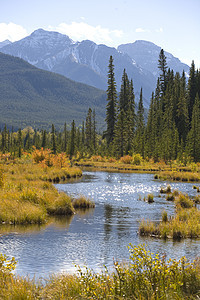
x,y
27,193
145,276
171,170
184,224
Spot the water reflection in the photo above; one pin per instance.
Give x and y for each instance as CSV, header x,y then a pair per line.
x,y
95,237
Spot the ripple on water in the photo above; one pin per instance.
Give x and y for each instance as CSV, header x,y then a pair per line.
x,y
101,235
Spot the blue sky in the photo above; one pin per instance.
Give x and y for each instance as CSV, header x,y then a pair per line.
x,y
173,25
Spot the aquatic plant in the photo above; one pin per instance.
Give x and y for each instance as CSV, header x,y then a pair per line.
x,y
82,202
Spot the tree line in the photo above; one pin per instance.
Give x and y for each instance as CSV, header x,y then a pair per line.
x,y
171,131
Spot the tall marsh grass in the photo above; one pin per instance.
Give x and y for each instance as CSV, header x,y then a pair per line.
x,y
28,195
184,224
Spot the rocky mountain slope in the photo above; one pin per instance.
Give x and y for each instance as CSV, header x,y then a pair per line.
x,y
87,62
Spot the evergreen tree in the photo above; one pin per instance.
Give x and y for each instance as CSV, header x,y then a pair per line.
x,y
44,139
94,134
191,90
19,138
182,111
88,130
162,65
120,135
72,139
193,140
53,140
111,103
139,139
130,119
65,138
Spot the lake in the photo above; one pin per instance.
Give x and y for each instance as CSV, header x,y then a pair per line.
x,y
98,236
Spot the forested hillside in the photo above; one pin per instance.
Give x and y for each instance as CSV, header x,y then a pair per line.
x,y
30,96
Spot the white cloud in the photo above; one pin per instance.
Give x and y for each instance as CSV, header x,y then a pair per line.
x,y
141,30
159,30
79,31
12,32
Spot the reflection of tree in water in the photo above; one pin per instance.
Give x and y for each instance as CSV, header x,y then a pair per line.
x,y
108,220
116,216
123,225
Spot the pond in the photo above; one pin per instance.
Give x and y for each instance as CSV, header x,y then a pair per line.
x,y
98,236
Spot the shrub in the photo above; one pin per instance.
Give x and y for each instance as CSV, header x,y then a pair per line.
x,y
137,159
126,159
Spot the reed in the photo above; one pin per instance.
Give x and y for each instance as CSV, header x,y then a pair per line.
x,y
28,195
184,224
82,202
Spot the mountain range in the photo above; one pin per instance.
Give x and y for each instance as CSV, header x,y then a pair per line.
x,y
87,62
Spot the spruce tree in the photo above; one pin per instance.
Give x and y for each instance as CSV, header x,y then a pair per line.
x,y
111,103
162,65
72,140
193,140
191,90
53,140
139,138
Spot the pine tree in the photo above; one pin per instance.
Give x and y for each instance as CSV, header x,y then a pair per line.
x,y
111,103
193,140
130,119
182,111
53,140
19,138
191,90
162,65
139,139
94,134
72,140
88,130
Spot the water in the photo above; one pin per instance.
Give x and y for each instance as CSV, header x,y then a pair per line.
x,y
98,236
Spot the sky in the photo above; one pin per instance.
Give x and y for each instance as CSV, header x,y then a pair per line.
x,y
174,25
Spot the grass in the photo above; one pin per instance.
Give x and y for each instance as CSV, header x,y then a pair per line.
x,y
82,202
184,224
166,190
145,276
28,195
179,176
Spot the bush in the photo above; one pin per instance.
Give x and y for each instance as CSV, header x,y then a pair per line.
x,y
137,159
126,159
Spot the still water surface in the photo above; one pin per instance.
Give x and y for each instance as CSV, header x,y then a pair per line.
x,y
98,236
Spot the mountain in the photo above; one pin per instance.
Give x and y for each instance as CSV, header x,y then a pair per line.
x,y
5,43
146,55
30,96
84,61
87,62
